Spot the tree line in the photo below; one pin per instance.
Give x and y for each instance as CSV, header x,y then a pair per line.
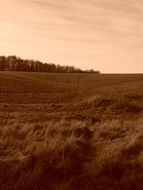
x,y
14,63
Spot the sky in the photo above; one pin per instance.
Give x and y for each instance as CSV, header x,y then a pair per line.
x,y
105,35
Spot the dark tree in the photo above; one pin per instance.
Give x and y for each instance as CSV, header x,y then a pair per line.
x,y
13,63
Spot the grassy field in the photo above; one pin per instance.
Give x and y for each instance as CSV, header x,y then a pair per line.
x,y
71,131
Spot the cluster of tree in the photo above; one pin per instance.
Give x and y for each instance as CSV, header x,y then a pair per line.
x,y
13,63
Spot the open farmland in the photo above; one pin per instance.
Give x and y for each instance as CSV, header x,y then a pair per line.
x,y
71,131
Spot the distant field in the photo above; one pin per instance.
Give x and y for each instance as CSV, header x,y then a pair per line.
x,y
20,87
71,131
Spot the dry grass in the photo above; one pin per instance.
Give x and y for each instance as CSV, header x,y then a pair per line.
x,y
56,135
72,155
44,156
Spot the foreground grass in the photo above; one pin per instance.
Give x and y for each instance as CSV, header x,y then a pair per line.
x,y
44,156
72,155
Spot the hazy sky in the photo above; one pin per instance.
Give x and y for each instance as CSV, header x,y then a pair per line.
x,y
106,35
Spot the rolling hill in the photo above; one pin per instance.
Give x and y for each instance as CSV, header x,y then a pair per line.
x,y
71,131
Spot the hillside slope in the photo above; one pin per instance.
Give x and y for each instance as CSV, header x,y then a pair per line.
x,y
71,131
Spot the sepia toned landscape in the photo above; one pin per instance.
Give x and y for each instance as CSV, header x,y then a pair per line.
x,y
71,95
71,131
